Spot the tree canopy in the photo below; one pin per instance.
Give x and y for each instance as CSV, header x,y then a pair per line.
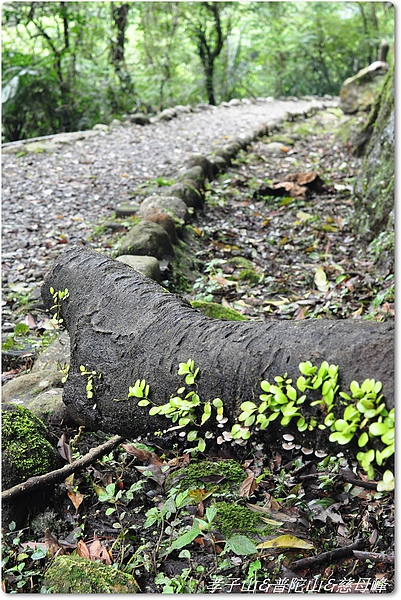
x,y
68,65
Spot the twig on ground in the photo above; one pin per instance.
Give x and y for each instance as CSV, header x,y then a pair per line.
x,y
374,557
310,561
60,474
370,485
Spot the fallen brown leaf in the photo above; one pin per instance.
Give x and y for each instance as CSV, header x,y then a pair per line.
x,y
83,550
64,449
143,455
249,485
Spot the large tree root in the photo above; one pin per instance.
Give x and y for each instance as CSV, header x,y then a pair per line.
x,y
126,327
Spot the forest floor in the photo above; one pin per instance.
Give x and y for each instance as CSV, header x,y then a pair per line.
x,y
182,525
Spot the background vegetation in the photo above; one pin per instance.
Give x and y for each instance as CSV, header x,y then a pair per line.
x,y
69,65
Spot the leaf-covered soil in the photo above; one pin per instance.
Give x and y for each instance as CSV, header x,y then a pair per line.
x,y
190,530
290,257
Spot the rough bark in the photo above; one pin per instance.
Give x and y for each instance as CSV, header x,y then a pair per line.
x,y
127,327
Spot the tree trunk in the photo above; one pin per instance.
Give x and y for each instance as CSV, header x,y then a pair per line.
x,y
209,84
126,327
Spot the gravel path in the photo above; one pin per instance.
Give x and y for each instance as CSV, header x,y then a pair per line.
x,y
53,199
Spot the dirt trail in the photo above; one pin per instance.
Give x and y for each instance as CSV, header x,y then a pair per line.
x,y
51,200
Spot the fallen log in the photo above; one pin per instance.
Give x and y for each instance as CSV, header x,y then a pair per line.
x,y
125,327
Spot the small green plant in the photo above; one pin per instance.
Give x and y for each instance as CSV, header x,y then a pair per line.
x,y
16,339
187,582
361,412
207,284
118,497
65,371
90,385
58,296
22,569
185,407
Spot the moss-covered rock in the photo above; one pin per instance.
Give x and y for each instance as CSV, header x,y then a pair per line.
x,y
249,275
241,261
359,92
146,239
190,477
26,452
187,191
235,518
217,311
76,575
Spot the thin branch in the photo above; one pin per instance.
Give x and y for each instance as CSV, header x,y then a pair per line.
x,y
374,557
60,474
369,485
310,561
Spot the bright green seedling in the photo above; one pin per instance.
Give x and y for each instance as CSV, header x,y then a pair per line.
x,y
362,413
185,408
281,400
140,390
188,369
58,297
90,383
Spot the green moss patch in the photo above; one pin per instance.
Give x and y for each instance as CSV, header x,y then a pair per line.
x,y
233,518
217,311
249,275
24,443
241,261
76,575
196,475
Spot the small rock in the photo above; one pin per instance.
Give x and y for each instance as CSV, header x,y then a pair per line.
x,y
115,123
22,389
225,155
219,163
126,210
183,109
274,148
146,239
38,146
147,265
71,574
185,190
204,106
165,220
198,160
194,173
359,92
234,102
26,452
100,127
260,130
232,148
13,148
139,119
165,115
171,205
56,355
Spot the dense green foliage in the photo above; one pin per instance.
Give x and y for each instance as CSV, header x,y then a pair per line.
x,y
68,65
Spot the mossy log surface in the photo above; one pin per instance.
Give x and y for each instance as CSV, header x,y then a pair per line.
x,y
127,327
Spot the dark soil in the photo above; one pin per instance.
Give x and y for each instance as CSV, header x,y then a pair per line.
x,y
325,502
